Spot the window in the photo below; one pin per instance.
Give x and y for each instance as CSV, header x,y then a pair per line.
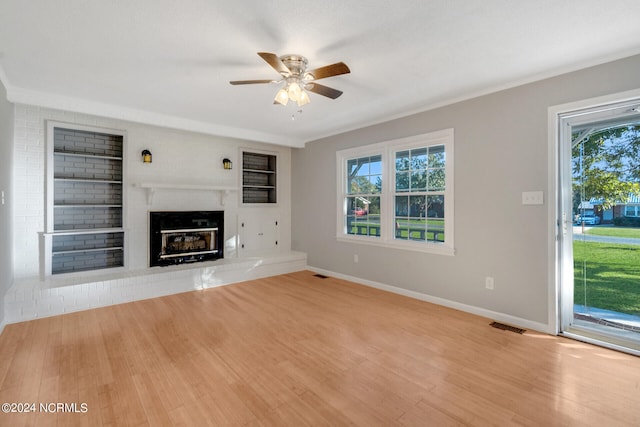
x,y
419,193
398,193
631,210
363,195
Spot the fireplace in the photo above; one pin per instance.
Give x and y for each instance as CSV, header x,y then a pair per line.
x,y
185,237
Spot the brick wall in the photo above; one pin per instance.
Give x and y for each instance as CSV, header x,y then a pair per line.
x,y
83,142
28,174
32,298
6,199
178,157
80,219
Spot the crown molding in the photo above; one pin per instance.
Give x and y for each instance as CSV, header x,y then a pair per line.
x,y
66,103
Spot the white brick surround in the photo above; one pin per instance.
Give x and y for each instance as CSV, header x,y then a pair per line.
x,y
33,298
28,173
179,157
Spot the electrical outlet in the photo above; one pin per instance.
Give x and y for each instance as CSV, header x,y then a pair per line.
x,y
355,258
488,283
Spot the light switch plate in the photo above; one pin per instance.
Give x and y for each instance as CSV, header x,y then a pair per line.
x,y
532,198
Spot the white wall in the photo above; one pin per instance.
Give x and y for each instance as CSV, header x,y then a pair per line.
x,y
500,152
6,218
179,157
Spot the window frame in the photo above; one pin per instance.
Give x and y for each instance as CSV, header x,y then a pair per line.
x,y
388,150
362,196
635,211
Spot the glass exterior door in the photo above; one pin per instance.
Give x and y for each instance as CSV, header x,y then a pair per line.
x,y
600,235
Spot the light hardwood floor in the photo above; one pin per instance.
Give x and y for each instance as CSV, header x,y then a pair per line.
x,y
299,350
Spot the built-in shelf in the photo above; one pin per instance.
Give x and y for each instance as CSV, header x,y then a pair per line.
x,y
91,180
259,186
259,171
80,251
63,205
258,178
84,227
152,187
86,231
93,156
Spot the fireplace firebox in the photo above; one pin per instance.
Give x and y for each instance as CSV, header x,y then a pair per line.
x,y
179,237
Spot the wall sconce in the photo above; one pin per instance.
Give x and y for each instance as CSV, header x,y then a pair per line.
x,y
146,156
227,164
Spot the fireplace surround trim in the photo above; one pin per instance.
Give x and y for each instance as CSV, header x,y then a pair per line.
x,y
151,188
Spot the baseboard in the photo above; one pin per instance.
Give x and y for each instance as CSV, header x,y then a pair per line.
x,y
500,317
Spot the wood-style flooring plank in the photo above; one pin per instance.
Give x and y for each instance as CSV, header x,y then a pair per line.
x,y
299,350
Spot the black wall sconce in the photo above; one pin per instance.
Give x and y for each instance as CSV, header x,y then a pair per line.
x,y
146,156
227,164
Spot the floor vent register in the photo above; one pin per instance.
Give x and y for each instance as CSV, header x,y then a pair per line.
x,y
507,327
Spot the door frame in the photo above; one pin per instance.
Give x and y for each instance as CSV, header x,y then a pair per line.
x,y
559,236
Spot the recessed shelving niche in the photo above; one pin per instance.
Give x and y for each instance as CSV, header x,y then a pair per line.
x,y
84,199
259,175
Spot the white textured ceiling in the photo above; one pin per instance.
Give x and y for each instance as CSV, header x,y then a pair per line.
x,y
169,62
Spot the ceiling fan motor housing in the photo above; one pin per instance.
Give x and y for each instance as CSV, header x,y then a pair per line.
x,y
297,64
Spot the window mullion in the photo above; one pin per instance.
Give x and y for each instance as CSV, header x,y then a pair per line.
x,y
388,188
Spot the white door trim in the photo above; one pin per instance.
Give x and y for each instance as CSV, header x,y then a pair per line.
x,y
554,188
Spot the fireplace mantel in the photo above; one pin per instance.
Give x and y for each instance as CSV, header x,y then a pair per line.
x,y
152,187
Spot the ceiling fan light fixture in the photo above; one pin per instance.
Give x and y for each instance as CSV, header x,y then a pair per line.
x,y
294,90
304,99
282,97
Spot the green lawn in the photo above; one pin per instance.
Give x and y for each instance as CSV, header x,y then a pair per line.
x,y
612,276
628,232
411,229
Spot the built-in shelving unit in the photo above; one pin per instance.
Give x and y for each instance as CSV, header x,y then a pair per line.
x,y
85,199
259,175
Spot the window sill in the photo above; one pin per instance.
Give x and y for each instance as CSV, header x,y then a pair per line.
x,y
431,248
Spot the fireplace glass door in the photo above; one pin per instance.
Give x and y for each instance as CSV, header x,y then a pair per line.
x,y
188,242
179,237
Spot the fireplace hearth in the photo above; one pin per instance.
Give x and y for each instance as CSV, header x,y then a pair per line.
x,y
179,237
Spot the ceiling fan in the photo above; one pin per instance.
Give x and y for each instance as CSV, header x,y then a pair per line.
x,y
293,71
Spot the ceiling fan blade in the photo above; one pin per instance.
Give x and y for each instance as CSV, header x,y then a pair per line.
x,y
249,82
277,64
323,90
329,71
